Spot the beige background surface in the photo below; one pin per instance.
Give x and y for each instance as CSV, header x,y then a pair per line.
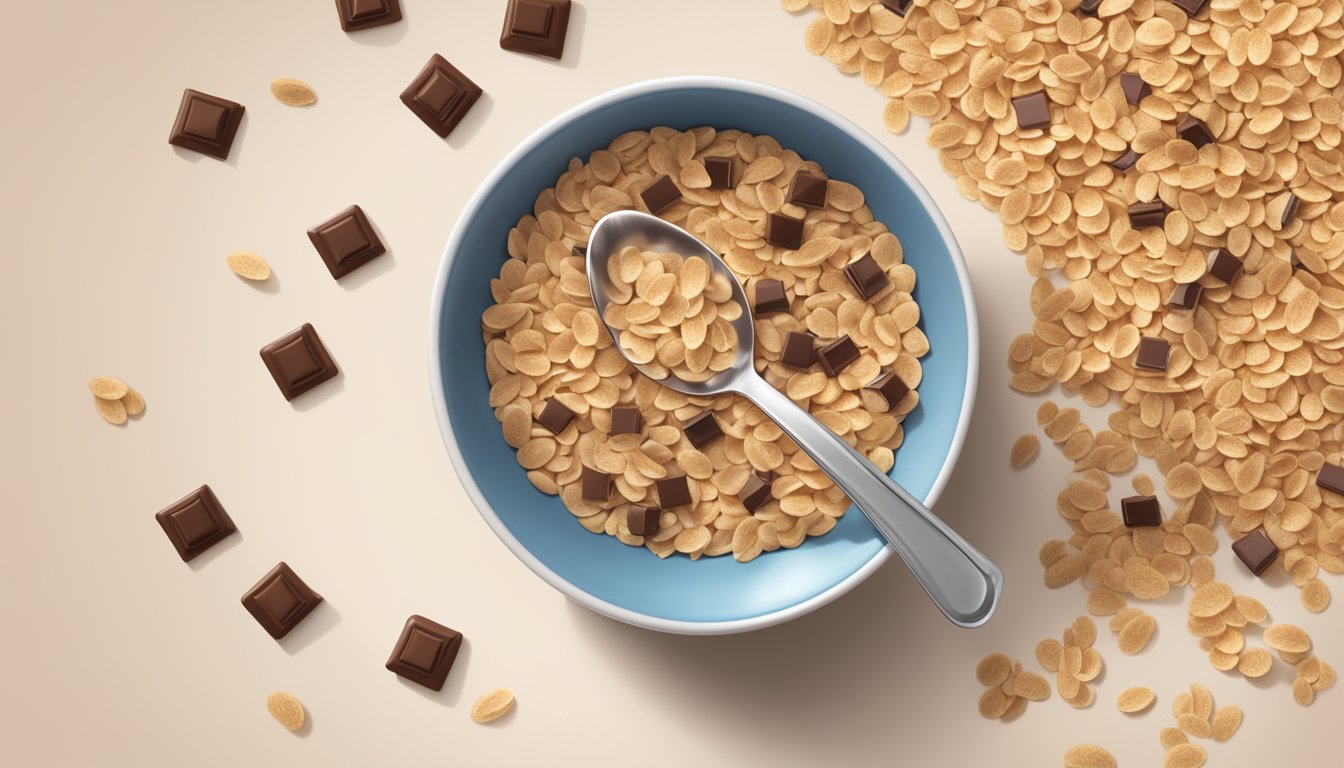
x,y
115,653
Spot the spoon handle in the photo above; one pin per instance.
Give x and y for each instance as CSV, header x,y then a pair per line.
x,y
962,582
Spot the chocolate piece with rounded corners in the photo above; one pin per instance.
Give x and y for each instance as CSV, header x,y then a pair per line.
x,y
673,491
280,601
1142,215
784,231
626,420
363,14
866,277
1033,110
1256,551
838,355
1154,353
807,190
298,361
206,124
1141,511
425,652
441,95
642,521
195,523
555,416
800,350
346,241
537,27
596,485
770,297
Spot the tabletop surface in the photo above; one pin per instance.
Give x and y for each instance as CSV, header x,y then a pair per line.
x,y
117,653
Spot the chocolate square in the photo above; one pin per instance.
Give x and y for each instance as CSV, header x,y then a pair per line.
x,y
280,601
1256,551
1126,161
1224,266
346,241
1194,130
1185,296
660,194
784,231
206,124
642,521
889,386
626,420
536,26
800,350
1135,88
1191,7
1290,210
596,485
702,430
720,170
555,416
755,493
1142,215
807,190
1033,110
866,277
363,14
838,355
898,7
440,95
298,361
1141,511
1154,353
425,652
195,523
1331,478
673,491
770,297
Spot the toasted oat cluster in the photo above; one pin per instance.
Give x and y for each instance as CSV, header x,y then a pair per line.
x,y
835,323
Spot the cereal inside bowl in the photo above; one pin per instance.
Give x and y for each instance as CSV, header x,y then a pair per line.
x,y
836,330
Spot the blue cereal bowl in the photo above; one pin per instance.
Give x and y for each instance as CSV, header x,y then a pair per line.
x,y
713,595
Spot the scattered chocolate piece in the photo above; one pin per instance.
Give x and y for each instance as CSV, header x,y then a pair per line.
x,y
626,420
425,652
898,7
1191,7
580,250
660,194
346,241
720,170
866,277
807,190
1186,295
1194,130
1126,161
1224,266
280,601
206,124
1143,215
1331,478
1293,261
838,355
1256,551
890,387
1154,353
1135,88
536,26
1033,110
702,430
755,493
441,95
1290,210
555,416
770,297
195,523
800,350
1141,511
784,231
362,14
673,491
766,475
642,521
596,485
298,361
1089,7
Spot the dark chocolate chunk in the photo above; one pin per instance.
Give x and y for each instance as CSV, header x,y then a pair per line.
x,y
596,485
1135,88
720,170
1141,511
702,430
362,14
1186,295
280,601
755,493
642,521
1294,261
800,350
346,241
889,387
838,355
1290,210
555,416
1089,7
195,523
626,420
1153,354
1193,130
1256,551
1143,215
770,297
425,652
784,231
1331,478
866,277
766,475
298,361
898,7
808,190
1126,161
1033,110
441,95
206,124
580,250
1223,265
673,491
1191,7
536,26
660,194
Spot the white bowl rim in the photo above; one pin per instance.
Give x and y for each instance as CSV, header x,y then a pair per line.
x,y
622,93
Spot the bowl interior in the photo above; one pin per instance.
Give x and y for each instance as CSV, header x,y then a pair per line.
x,y
676,589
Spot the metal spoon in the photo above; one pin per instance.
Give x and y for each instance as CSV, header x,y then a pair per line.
x,y
962,582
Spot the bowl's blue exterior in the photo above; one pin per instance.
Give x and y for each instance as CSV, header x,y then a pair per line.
x,y
711,589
